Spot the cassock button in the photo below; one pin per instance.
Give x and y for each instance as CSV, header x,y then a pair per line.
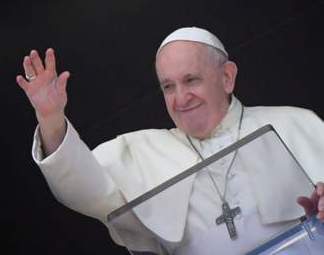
x,y
231,175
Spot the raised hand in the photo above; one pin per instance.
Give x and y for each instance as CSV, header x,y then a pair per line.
x,y
46,92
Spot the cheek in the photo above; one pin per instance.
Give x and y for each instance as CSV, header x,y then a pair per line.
x,y
168,102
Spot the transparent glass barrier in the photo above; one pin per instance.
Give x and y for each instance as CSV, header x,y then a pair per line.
x,y
265,182
304,238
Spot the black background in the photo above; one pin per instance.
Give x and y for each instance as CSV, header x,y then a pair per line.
x,y
109,47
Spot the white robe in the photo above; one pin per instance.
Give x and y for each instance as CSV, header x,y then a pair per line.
x,y
95,183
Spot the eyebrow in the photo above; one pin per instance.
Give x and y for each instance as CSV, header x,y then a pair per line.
x,y
164,81
186,76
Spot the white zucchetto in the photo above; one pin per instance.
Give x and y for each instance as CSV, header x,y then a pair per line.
x,y
194,34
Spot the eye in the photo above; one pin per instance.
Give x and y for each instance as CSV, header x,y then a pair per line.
x,y
167,87
192,79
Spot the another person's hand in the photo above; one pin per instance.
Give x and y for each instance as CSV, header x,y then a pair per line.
x,y
46,92
314,205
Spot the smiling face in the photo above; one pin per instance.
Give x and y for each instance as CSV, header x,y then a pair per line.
x,y
196,88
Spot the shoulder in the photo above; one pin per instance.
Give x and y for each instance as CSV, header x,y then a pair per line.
x,y
290,122
146,134
135,138
287,113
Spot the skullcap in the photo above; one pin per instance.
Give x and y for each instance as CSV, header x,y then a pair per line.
x,y
194,34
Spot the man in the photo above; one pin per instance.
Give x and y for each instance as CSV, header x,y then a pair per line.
x,y
197,81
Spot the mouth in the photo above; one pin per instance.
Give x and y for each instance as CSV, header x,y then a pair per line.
x,y
188,109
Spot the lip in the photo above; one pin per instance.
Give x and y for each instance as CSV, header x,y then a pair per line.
x,y
188,109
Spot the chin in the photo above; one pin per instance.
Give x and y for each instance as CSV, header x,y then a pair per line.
x,y
198,129
199,133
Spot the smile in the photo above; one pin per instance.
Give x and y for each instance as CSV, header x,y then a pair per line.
x,y
187,109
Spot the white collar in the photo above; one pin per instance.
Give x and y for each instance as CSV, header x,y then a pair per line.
x,y
231,119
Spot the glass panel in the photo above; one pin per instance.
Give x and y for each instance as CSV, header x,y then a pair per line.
x,y
304,238
265,181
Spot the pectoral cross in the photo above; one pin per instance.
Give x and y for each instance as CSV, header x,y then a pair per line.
x,y
228,218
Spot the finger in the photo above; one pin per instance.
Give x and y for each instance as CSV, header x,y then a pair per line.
x,y
36,62
314,197
22,82
320,189
307,204
50,63
62,81
320,205
28,67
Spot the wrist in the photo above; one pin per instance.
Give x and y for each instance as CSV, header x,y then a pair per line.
x,y
53,121
52,131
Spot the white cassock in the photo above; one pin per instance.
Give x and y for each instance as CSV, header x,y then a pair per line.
x,y
116,172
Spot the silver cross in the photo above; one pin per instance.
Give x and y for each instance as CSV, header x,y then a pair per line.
x,y
228,218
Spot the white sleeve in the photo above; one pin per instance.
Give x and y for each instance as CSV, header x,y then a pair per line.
x,y
76,177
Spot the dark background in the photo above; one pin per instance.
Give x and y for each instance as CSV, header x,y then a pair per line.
x,y
109,47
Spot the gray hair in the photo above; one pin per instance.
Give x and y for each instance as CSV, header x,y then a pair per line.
x,y
216,56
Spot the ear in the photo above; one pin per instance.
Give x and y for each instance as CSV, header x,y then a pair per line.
x,y
230,72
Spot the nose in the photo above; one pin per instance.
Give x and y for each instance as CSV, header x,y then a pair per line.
x,y
183,96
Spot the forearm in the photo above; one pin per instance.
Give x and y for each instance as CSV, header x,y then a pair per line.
x,y
52,132
77,179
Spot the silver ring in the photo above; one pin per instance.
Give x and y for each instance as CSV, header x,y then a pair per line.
x,y
30,77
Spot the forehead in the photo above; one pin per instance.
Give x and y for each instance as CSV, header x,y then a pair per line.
x,y
182,49
181,57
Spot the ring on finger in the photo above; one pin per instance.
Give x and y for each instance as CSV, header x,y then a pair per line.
x,y
30,77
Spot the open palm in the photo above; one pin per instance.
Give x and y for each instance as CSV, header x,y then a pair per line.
x,y
45,90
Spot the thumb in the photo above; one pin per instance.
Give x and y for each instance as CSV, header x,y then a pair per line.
x,y
307,204
61,81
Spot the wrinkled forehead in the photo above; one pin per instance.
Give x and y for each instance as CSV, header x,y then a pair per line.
x,y
180,58
187,50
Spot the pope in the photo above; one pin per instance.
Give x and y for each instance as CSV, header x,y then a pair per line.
x,y
197,79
